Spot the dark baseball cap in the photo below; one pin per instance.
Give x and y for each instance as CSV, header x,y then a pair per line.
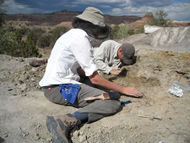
x,y
128,51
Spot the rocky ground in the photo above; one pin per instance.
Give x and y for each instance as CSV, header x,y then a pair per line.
x,y
23,107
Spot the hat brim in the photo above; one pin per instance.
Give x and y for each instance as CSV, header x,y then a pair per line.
x,y
130,61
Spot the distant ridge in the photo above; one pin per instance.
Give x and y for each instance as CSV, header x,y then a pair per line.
x,y
64,16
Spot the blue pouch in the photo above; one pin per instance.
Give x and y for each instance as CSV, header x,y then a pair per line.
x,y
69,91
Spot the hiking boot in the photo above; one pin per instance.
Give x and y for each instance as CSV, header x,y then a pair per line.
x,y
37,63
61,127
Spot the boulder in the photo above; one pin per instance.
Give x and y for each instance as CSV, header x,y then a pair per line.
x,y
166,38
151,28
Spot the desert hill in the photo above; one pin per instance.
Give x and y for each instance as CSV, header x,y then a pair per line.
x,y
64,16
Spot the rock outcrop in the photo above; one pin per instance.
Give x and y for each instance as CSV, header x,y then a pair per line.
x,y
181,23
147,17
168,38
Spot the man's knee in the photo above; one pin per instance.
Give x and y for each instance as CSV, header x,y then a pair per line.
x,y
116,106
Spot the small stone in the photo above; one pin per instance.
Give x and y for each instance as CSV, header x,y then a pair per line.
x,y
82,139
10,89
14,94
6,135
37,136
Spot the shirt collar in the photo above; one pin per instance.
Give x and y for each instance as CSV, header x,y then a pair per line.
x,y
116,50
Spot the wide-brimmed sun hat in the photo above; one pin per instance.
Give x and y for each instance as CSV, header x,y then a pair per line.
x,y
94,16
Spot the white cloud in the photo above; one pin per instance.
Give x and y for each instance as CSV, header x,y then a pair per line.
x,y
103,1
178,11
117,11
12,7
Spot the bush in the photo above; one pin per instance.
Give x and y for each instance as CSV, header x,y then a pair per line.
x,y
35,34
114,31
160,19
123,31
140,29
44,41
11,43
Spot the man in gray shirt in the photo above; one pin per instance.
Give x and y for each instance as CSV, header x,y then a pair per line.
x,y
111,55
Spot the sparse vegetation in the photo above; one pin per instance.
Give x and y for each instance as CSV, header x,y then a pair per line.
x,y
139,29
35,34
44,41
160,19
12,41
123,31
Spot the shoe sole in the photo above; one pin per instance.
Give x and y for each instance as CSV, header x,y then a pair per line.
x,y
52,127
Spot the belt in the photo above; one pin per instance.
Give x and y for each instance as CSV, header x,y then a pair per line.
x,y
50,86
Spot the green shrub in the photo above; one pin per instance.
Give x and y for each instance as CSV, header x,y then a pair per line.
x,y
160,19
35,34
123,31
44,41
11,43
114,31
140,29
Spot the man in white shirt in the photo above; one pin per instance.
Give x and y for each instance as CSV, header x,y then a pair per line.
x,y
110,56
71,58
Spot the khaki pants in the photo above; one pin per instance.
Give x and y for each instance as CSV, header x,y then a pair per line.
x,y
96,109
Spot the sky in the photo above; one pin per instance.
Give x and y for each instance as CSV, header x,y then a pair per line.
x,y
176,9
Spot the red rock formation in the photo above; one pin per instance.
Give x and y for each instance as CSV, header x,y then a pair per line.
x,y
147,17
181,23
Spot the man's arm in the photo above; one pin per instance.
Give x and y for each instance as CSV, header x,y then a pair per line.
x,y
100,58
95,78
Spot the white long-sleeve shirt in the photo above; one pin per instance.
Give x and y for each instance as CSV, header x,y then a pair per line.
x,y
106,57
71,50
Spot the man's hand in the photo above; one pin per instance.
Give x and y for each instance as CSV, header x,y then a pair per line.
x,y
96,79
115,71
131,92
